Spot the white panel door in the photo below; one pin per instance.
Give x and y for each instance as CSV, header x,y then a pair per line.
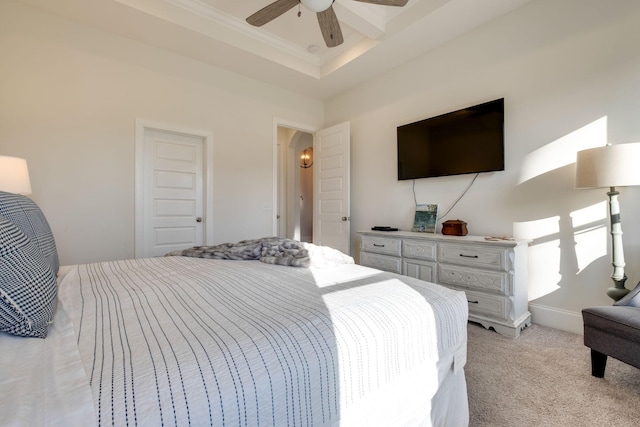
x,y
331,220
173,191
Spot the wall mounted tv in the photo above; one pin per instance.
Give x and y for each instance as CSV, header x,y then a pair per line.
x,y
470,140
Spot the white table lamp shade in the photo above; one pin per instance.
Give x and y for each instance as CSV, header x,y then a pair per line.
x,y
609,166
14,175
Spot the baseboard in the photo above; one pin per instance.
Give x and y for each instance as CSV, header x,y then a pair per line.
x,y
555,318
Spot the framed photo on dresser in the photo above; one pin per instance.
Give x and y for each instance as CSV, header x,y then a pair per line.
x,y
426,218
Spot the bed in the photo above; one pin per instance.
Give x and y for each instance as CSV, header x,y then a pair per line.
x,y
190,341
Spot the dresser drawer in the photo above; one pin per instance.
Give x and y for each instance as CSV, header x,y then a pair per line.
x,y
488,305
420,269
418,249
472,255
481,280
382,245
381,262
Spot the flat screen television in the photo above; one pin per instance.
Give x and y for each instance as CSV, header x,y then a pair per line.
x,y
470,140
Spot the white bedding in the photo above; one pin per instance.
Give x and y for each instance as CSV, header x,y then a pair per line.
x,y
189,341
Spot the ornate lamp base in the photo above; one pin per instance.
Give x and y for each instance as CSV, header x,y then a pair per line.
x,y
618,291
617,252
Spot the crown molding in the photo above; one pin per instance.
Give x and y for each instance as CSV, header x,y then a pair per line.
x,y
198,16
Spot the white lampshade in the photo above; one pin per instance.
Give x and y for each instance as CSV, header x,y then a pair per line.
x,y
317,5
609,166
14,175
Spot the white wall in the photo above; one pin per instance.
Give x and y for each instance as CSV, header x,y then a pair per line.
x,y
569,71
69,97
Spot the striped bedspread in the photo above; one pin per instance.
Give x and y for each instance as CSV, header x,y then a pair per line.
x,y
187,341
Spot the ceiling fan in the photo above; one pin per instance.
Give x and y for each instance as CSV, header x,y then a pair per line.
x,y
327,19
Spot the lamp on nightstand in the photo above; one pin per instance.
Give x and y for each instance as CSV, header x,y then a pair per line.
x,y
14,175
611,166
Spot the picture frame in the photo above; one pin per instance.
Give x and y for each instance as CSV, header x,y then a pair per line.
x,y
426,218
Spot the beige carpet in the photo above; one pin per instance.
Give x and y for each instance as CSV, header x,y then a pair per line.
x,y
543,378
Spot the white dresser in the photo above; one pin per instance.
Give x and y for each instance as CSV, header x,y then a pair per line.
x,y
493,274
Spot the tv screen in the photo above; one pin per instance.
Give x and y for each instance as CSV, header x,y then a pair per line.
x,y
470,140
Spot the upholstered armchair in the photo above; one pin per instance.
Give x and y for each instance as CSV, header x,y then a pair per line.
x,y
613,331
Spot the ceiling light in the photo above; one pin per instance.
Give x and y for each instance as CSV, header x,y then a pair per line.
x,y
317,5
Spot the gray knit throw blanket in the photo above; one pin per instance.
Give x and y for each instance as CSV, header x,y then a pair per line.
x,y
271,250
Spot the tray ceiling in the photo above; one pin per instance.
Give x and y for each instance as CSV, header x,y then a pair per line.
x,y
289,51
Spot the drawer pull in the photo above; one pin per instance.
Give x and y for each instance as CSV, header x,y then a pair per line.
x,y
473,302
468,256
378,246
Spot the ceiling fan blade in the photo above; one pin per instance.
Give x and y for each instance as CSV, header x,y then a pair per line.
x,y
386,2
271,12
330,27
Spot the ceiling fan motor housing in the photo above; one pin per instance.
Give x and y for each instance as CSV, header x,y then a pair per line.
x,y
317,5
329,25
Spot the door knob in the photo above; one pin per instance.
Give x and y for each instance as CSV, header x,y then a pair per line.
x,y
199,219
346,218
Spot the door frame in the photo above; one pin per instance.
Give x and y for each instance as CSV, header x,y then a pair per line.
x,y
207,153
283,159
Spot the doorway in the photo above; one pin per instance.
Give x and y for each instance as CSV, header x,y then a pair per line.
x,y
295,184
328,210
302,146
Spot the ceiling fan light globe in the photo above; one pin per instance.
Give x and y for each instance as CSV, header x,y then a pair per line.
x,y
317,5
